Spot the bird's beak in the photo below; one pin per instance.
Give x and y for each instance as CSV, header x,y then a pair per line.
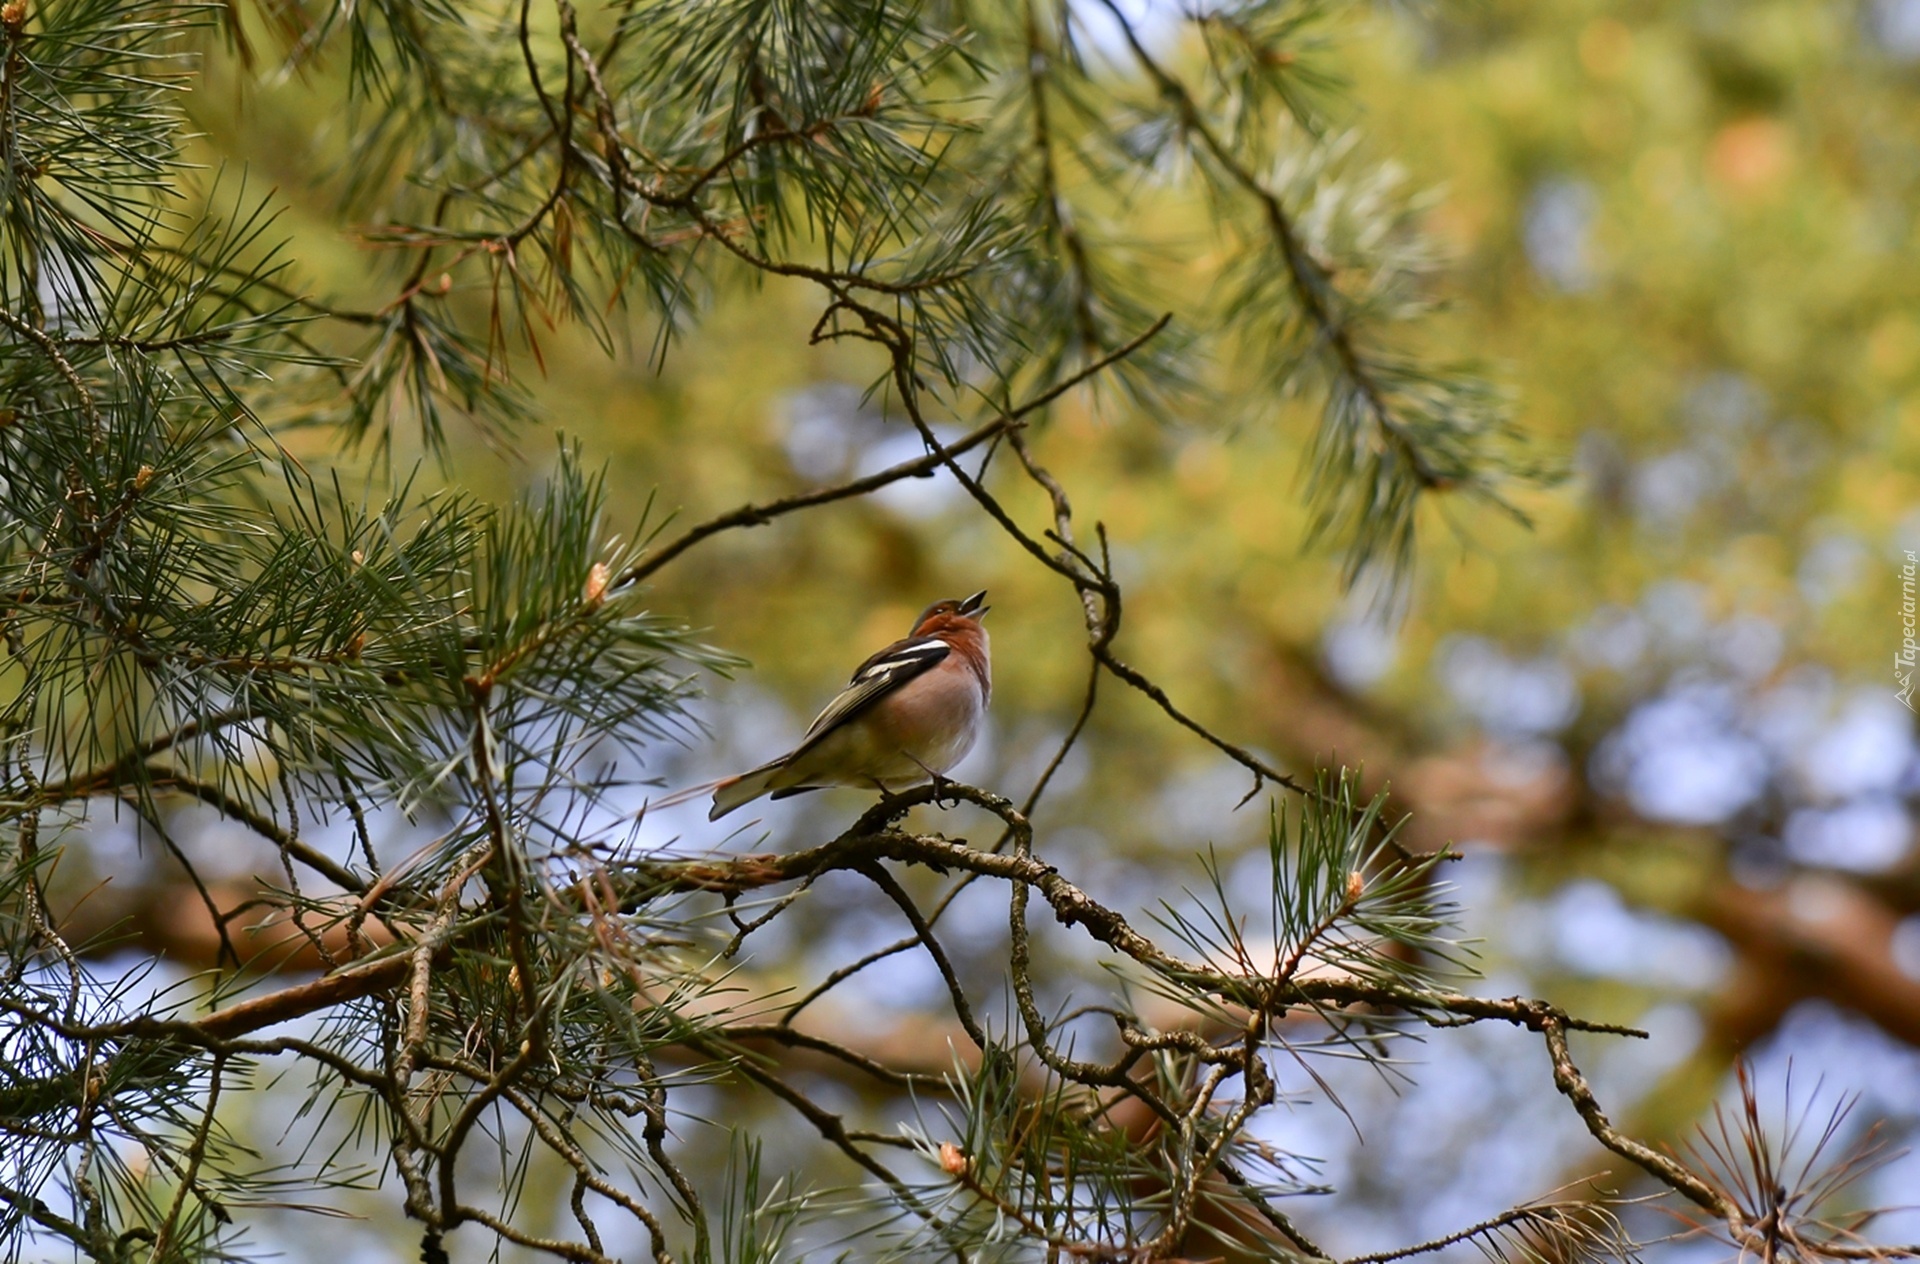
x,y
975,607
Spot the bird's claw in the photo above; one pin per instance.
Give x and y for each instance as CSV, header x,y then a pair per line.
x,y
942,791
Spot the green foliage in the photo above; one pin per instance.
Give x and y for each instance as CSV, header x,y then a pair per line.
x,y
223,587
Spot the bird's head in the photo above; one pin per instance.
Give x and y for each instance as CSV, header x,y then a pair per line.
x,y
952,612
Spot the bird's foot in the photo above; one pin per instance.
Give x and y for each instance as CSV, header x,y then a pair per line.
x,y
943,796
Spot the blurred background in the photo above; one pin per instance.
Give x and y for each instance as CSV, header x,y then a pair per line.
x,y
1662,726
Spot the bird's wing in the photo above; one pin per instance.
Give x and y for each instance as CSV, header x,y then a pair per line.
x,y
879,676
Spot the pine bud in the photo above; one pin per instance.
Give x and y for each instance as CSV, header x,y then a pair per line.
x,y
596,590
142,478
14,14
953,1159
1356,886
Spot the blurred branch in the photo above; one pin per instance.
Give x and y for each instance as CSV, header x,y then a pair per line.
x,y
1837,943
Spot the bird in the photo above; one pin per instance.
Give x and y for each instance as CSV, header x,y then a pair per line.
x,y
910,713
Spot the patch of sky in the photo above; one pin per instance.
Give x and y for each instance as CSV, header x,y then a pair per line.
x,y
1590,930
1867,835
1830,1054
1894,26
1362,642
1469,1119
1906,947
1557,233
1683,757
1831,565
1613,637
1868,748
1666,489
1508,696
830,432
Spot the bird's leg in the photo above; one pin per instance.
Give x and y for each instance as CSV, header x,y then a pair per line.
x,y
890,801
941,786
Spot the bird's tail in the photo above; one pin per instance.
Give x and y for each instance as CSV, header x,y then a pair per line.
x,y
734,792
680,796
728,792
683,794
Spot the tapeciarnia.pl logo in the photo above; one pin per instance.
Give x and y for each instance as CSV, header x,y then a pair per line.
x,y
1903,661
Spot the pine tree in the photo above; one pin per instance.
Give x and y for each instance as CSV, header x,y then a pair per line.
x,y
202,605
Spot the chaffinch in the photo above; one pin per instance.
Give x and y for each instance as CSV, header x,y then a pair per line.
x,y
910,713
